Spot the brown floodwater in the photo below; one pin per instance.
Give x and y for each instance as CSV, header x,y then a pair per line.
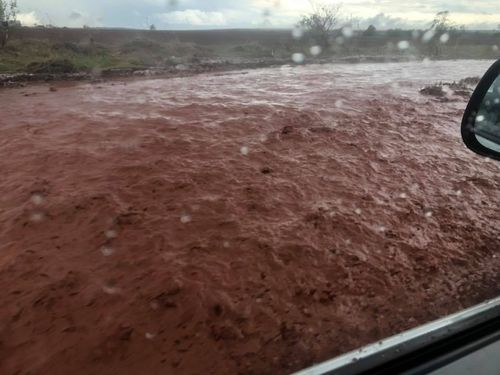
x,y
251,222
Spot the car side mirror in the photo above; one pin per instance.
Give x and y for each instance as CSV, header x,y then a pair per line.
x,y
481,121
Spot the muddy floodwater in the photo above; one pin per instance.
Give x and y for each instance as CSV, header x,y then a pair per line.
x,y
252,222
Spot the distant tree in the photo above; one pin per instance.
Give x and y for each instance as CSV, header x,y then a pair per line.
x,y
320,23
442,22
152,27
8,14
370,31
441,28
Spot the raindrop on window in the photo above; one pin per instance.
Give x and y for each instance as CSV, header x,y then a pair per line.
x,y
244,150
297,33
315,50
185,219
37,217
428,214
111,234
107,251
494,48
404,44
459,193
444,38
110,289
298,58
358,211
480,118
347,31
37,199
415,34
428,35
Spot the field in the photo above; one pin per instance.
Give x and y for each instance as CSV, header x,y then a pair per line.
x,y
248,222
95,52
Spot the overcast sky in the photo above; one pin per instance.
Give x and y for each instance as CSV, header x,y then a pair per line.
x,y
205,14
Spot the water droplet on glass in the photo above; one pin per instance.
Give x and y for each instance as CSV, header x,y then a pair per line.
x,y
244,150
495,48
37,199
185,219
111,234
459,193
480,118
298,58
415,34
297,33
428,35
404,44
111,289
444,38
358,211
428,214
315,50
37,217
347,31
107,251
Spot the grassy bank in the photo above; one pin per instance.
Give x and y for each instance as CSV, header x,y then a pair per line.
x,y
93,50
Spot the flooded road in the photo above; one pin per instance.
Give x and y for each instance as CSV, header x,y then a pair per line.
x,y
251,222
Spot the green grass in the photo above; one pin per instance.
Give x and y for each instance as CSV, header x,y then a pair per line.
x,y
38,55
24,56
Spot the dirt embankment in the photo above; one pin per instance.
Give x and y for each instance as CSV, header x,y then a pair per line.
x,y
251,223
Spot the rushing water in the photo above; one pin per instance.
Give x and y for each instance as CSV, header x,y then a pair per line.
x,y
253,221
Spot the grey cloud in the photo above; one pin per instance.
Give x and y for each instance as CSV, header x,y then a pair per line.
x,y
245,13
